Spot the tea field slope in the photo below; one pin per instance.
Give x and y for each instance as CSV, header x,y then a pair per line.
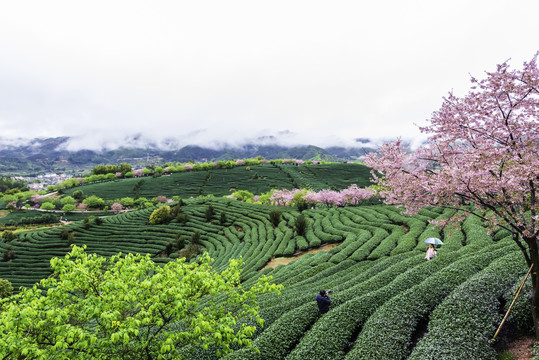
x,y
387,301
256,179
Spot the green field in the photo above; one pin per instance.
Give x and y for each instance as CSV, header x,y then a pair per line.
x,y
446,308
219,182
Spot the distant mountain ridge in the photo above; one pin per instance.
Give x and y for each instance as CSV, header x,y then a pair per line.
x,y
39,156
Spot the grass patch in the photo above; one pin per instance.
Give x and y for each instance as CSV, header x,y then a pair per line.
x,y
506,355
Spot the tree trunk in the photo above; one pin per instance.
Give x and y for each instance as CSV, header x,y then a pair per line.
x,y
534,255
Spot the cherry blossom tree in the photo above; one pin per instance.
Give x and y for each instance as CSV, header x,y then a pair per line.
x,y
282,197
354,194
116,208
138,172
482,157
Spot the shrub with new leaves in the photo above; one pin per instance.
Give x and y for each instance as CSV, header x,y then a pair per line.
x,y
160,215
6,289
128,307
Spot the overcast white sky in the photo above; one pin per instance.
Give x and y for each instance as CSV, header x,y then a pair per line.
x,y
209,72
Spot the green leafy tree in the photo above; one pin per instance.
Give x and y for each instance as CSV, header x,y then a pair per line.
x,y
6,289
130,308
127,201
78,195
64,234
8,255
141,202
136,188
300,225
222,219
94,201
68,207
275,217
68,200
160,215
210,211
124,168
47,206
182,218
174,211
243,195
8,235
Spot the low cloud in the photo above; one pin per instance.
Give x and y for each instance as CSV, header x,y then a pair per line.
x,y
212,140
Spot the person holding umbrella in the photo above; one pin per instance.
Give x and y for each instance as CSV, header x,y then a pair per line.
x,y
431,251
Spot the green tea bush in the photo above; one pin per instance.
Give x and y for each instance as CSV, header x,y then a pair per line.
x,y
275,342
387,334
465,321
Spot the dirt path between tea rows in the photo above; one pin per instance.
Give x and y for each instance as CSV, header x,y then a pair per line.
x,y
274,262
521,349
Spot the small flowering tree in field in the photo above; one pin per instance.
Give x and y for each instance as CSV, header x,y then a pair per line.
x,y
354,194
327,197
240,162
187,167
161,199
138,172
283,197
483,151
36,198
116,208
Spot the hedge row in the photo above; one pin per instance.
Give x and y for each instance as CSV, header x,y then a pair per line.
x,y
465,321
387,334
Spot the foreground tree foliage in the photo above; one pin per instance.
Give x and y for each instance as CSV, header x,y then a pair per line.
x,y
130,308
482,157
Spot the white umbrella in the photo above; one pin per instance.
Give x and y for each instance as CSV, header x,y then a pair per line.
x,y
434,241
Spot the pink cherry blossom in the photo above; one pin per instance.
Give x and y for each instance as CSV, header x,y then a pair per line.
x,y
116,208
482,151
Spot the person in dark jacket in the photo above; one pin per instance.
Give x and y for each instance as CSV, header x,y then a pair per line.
x,y
323,301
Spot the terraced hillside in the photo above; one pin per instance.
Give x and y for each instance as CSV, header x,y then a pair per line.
x,y
256,179
387,301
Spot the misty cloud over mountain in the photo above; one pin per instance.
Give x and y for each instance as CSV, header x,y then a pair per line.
x,y
107,141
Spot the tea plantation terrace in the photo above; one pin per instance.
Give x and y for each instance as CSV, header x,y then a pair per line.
x,y
387,301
